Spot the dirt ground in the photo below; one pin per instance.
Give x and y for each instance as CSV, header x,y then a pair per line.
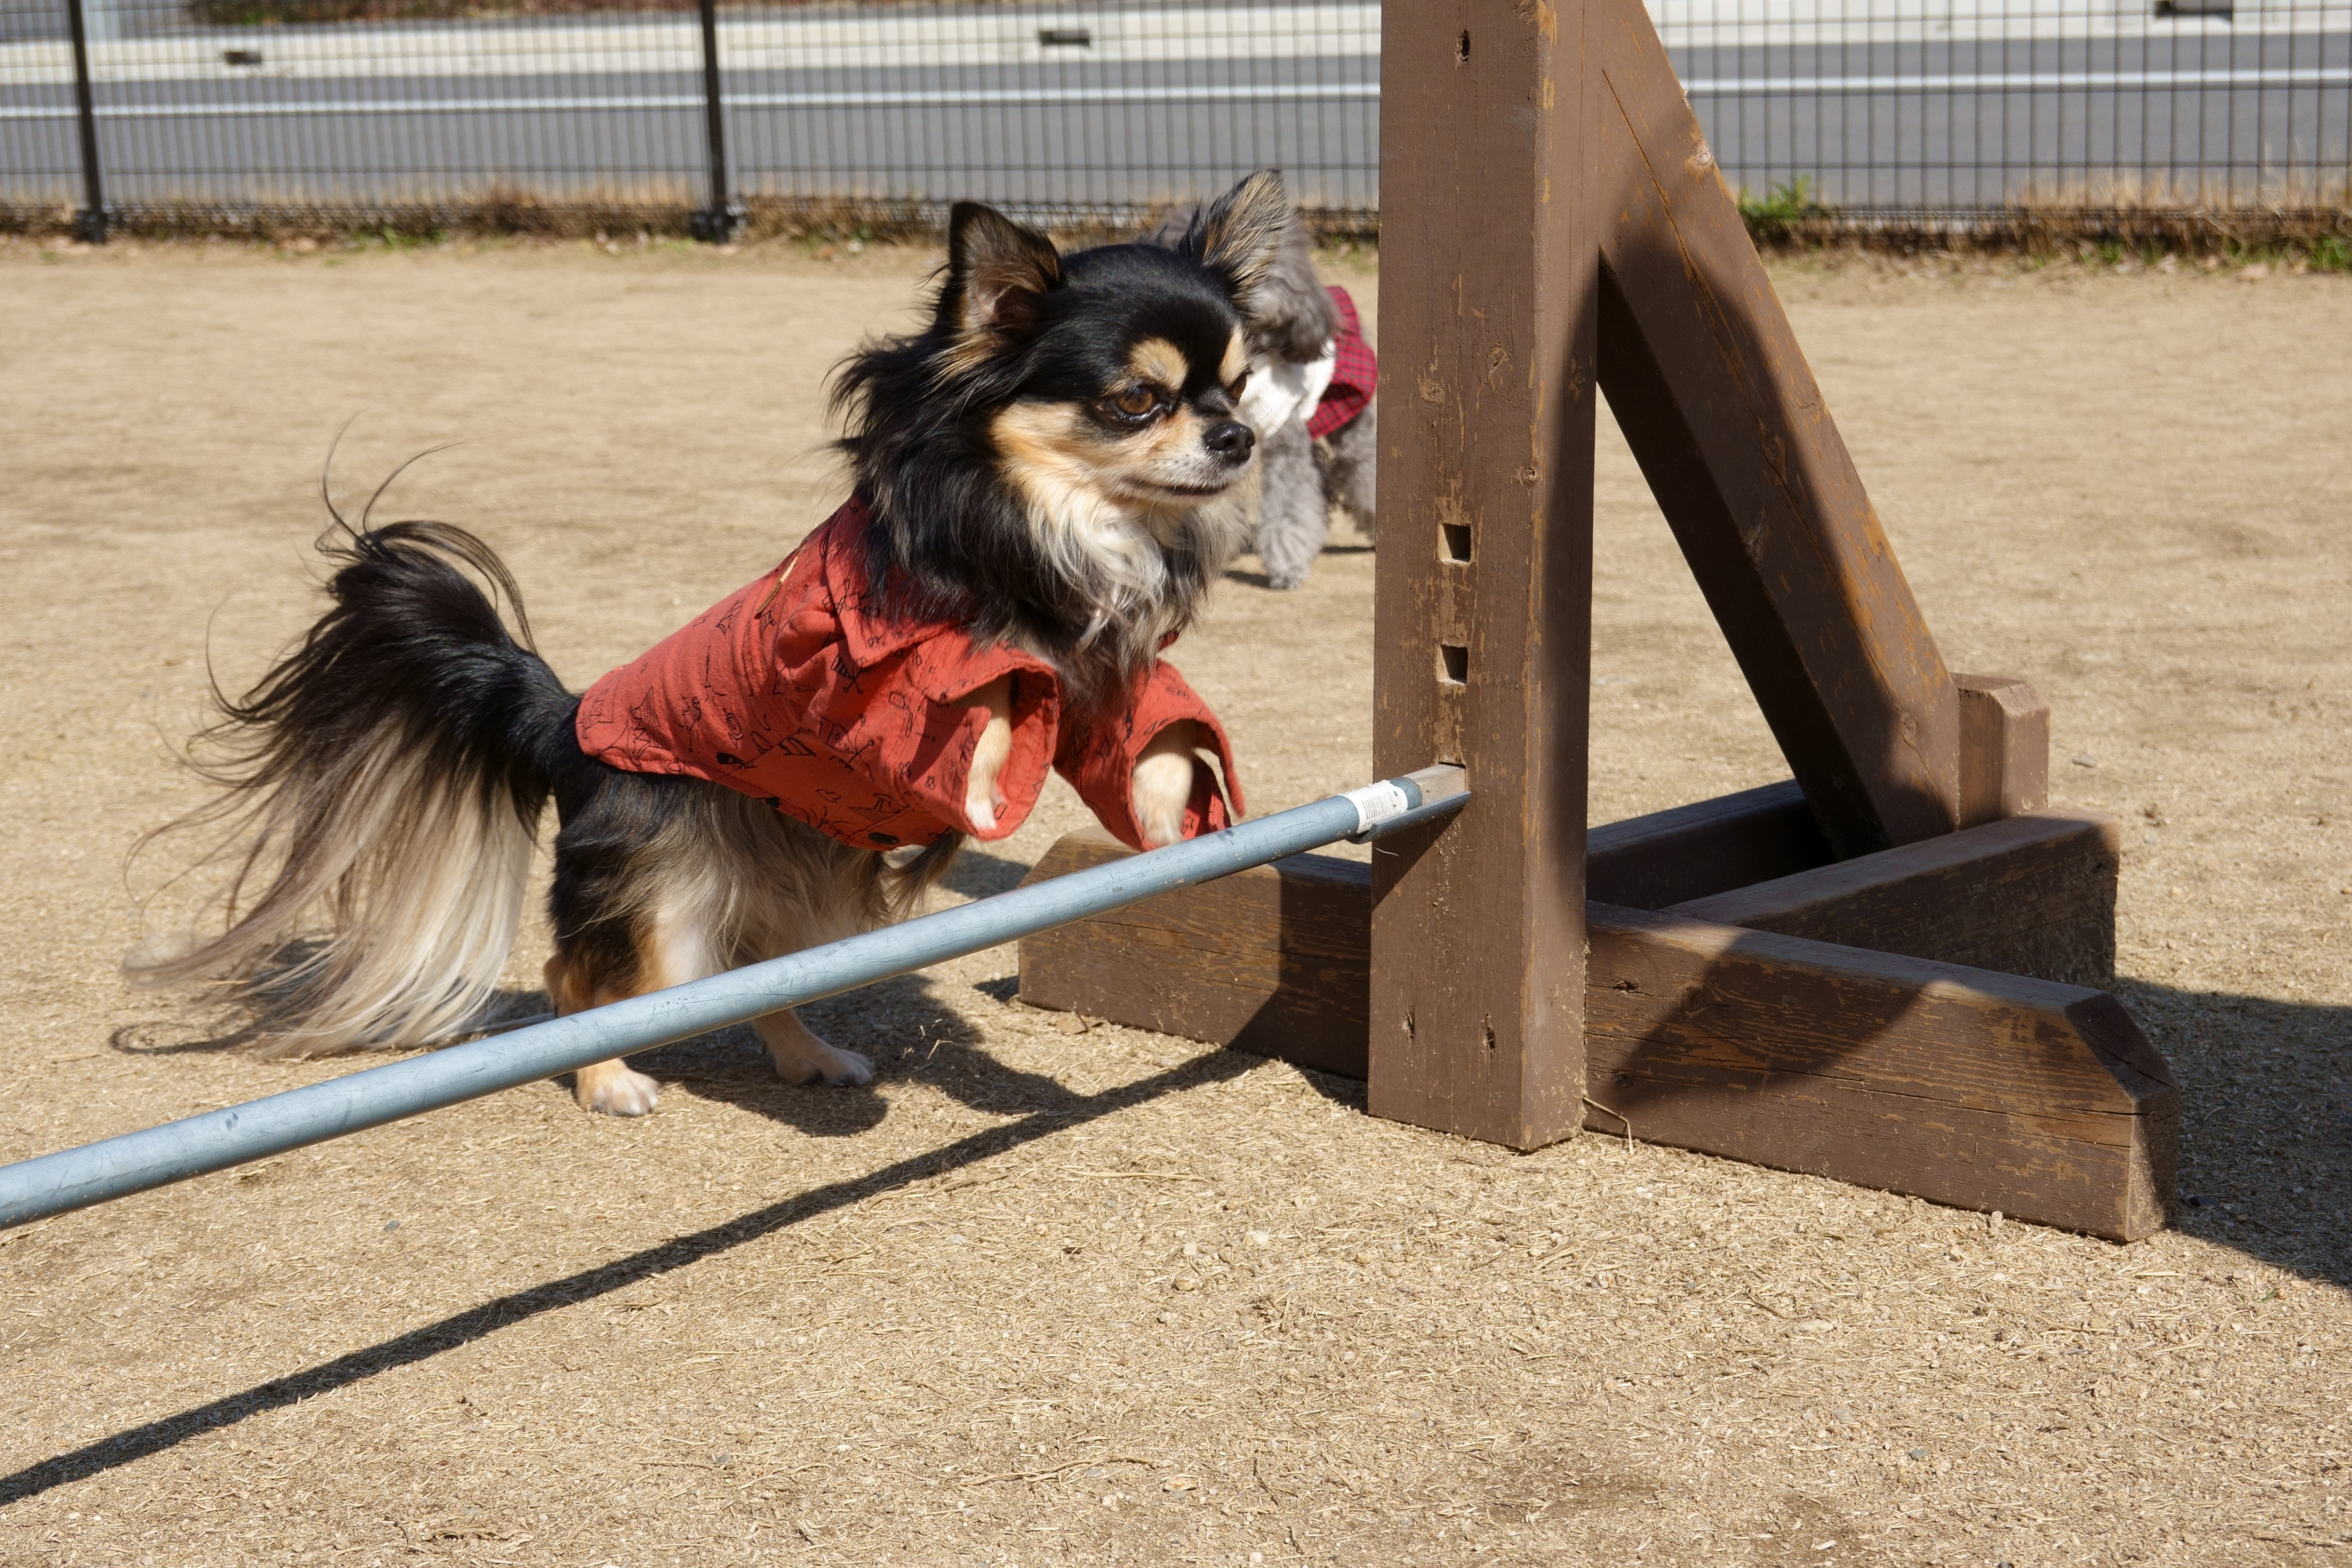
x,y
1108,1297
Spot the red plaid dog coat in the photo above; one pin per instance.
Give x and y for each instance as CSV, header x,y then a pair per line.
x,y
1355,374
804,691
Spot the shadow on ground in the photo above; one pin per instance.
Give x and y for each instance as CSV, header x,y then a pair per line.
x,y
1260,580
2265,1122
478,1322
904,1027
977,874
2265,1163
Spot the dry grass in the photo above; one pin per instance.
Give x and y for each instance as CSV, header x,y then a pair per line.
x,y
1107,1298
2318,235
660,209
2102,220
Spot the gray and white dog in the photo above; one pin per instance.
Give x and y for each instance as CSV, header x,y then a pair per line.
x,y
1299,337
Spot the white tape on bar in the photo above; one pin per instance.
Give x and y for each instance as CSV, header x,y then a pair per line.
x,y
1376,804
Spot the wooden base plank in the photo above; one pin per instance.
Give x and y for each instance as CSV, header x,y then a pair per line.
x,y
1275,960
1967,1085
1962,1086
1709,847
1712,846
2032,895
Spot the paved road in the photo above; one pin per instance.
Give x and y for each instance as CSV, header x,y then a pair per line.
x,y
1154,103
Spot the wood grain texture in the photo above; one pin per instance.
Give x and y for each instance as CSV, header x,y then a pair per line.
x,y
2034,895
1708,846
1487,294
1969,1087
2004,747
1275,960
1712,392
1954,1083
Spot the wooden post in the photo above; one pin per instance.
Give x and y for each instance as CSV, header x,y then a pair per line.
x,y
1489,290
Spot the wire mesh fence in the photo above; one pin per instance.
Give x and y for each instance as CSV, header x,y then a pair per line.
x,y
575,113
1896,109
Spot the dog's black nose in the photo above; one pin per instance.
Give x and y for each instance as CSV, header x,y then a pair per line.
x,y
1231,440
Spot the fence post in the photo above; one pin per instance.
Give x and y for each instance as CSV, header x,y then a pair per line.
x,y
715,223
91,221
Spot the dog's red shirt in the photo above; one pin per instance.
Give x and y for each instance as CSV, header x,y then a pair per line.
x,y
1355,372
804,690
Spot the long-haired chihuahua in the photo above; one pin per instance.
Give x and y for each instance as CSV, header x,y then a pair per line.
x,y
1041,480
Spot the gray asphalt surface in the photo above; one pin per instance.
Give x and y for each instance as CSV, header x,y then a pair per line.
x,y
1914,124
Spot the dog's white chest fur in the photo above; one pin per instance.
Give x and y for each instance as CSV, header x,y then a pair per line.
x,y
1275,392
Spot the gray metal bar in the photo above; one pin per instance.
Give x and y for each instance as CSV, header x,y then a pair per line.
x,y
1959,85
1272,92
117,1167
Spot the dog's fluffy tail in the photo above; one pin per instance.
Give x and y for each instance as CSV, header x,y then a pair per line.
x,y
383,781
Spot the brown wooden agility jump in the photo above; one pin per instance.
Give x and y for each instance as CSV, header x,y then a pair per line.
x,y
1881,972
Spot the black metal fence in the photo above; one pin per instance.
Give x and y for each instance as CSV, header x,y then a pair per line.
x,y
435,113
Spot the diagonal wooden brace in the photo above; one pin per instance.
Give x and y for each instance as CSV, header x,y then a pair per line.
x,y
1713,395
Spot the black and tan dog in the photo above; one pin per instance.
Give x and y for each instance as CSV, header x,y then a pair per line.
x,y
1041,501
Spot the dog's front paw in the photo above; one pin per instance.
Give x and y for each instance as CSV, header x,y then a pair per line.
x,y
803,1057
615,1089
982,799
1162,785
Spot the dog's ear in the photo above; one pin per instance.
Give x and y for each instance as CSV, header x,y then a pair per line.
x,y
1242,231
1174,226
997,273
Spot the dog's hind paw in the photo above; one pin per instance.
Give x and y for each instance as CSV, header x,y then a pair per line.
x,y
831,1065
845,1068
802,1057
615,1089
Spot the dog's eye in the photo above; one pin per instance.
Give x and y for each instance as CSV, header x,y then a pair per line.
x,y
1234,391
1136,402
